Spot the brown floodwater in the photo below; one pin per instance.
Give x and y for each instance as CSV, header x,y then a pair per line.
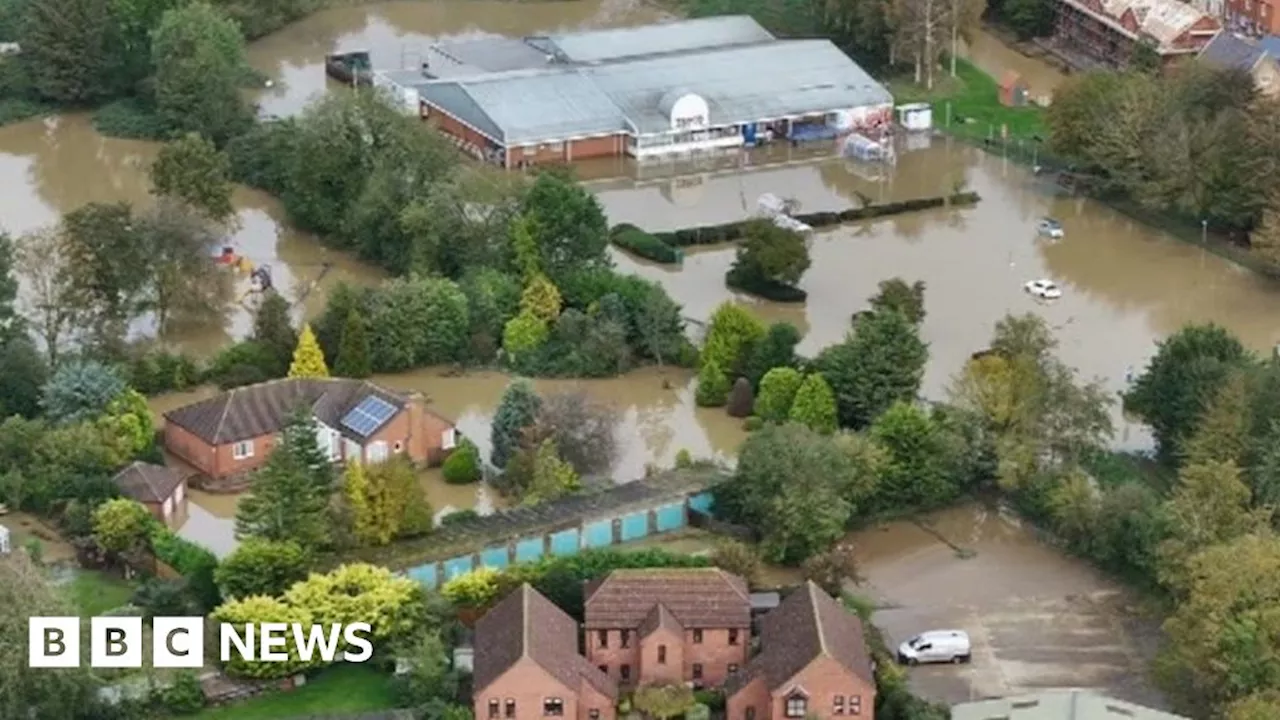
x,y
992,56
397,34
53,166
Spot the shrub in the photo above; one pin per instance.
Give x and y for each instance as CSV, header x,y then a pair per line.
x,y
778,390
193,562
753,423
741,399
713,386
699,711
476,589
683,458
184,696
463,466
637,241
750,283
129,119
459,516
737,558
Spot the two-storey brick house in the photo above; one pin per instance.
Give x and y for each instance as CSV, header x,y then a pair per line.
x,y
813,663
527,665
668,625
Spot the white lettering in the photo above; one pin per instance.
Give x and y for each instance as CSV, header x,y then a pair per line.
x,y
349,633
230,637
306,643
273,635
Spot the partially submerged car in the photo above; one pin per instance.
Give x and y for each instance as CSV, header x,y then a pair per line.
x,y
1050,228
1044,289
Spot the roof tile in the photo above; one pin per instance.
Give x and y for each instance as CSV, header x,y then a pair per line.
x,y
147,483
695,598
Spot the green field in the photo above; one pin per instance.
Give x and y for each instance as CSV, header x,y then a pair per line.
x,y
94,592
341,689
974,97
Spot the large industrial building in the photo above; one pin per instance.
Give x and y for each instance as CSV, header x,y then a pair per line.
x,y
662,89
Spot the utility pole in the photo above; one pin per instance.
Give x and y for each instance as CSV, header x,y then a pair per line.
x,y
955,33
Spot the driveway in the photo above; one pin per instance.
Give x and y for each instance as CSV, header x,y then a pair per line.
x,y
1038,619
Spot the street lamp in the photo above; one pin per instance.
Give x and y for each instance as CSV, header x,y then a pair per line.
x,y
1204,231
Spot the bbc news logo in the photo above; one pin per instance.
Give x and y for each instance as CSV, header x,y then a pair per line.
x,y
178,642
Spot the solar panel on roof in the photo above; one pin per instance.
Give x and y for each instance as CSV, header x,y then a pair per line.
x,y
368,415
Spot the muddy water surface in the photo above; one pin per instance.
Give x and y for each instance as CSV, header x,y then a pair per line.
x,y
397,34
989,54
657,418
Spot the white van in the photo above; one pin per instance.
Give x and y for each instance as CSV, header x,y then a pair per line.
x,y
935,646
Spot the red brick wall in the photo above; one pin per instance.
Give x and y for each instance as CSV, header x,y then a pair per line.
x,y
612,655
216,462
446,123
529,685
822,680
426,432
671,669
605,146
755,696
715,654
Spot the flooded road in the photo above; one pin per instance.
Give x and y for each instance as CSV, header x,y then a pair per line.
x,y
397,35
655,423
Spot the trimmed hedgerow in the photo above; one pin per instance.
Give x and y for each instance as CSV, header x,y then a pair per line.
x,y
638,242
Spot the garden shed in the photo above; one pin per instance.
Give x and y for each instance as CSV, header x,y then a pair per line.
x,y
1014,91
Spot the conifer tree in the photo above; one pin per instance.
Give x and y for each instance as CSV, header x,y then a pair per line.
x,y
815,405
289,496
353,353
355,487
713,386
308,360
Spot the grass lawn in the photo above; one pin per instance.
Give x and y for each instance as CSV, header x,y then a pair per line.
x,y
340,689
975,103
95,592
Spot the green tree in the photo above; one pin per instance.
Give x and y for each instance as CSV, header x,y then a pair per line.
x,y
37,693
128,421
896,294
794,487
517,411
396,500
289,496
308,360
552,477
273,330
769,253
70,50
261,567
732,335
353,354
585,431
12,325
122,525
568,225
194,172
356,492
180,277
1187,371
881,362
22,375
663,702
524,334
832,570
1222,433
258,609
1258,706
1210,507
737,558
541,299
106,266
777,349
429,675
418,321
81,391
815,405
359,592
332,323
916,474
777,393
1222,634
199,58
42,258
713,386
462,467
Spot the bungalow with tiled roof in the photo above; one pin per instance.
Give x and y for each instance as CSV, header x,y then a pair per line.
x,y
668,625
813,663
160,489
233,432
527,665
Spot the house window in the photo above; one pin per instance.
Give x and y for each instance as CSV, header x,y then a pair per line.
x,y
449,439
626,639
493,709
624,672
797,705
556,147
593,715
855,704
604,669
602,638
242,450
377,452
510,708
837,705
750,714
733,668
733,637
552,707
697,637
697,671
398,447
662,654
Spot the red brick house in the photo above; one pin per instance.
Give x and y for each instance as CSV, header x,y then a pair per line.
x,y
160,489
233,432
813,663
527,665
668,625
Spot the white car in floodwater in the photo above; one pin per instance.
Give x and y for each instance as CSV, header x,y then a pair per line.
x,y
1050,228
1043,289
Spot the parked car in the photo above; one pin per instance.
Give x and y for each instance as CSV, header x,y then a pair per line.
x,y
1050,228
936,646
1044,289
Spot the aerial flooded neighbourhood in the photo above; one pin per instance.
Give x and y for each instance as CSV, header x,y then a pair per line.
x,y
643,359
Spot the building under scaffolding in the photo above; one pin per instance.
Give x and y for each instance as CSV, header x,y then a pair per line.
x,y
1108,32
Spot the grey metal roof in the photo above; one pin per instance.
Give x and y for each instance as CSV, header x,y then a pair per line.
x,y
1228,50
741,84
1060,705
680,36
485,55
523,107
1271,44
